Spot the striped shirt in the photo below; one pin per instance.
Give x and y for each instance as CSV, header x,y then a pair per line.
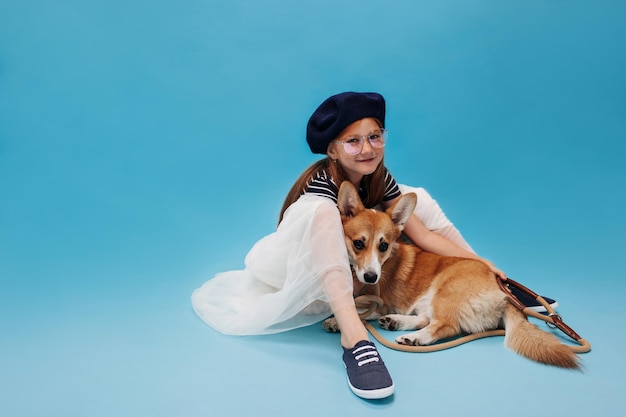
x,y
324,185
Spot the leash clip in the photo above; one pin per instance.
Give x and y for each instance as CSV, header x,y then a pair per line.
x,y
555,317
558,323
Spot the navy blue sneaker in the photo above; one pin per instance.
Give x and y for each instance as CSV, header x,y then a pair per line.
x,y
530,302
367,374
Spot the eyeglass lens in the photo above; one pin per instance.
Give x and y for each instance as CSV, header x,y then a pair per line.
x,y
354,145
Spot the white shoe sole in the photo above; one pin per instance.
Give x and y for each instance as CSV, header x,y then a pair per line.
x,y
374,394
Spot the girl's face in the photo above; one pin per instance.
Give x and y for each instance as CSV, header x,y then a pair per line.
x,y
366,161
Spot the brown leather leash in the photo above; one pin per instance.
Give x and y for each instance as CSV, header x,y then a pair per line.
x,y
551,318
371,303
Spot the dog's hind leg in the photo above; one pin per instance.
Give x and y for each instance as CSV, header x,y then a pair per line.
x,y
403,322
331,325
435,331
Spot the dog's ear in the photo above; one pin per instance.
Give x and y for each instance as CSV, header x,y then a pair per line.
x,y
348,200
402,209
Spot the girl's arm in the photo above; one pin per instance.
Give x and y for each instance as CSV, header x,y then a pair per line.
x,y
432,242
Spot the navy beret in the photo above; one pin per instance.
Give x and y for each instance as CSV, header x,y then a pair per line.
x,y
338,112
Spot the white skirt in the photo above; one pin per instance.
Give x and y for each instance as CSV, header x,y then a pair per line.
x,y
282,286
293,276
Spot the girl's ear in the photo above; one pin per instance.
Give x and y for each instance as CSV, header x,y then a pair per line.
x,y
332,151
402,209
348,200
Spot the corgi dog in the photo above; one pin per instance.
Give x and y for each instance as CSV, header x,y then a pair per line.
x,y
436,297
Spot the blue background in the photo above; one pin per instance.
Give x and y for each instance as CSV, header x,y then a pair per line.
x,y
146,145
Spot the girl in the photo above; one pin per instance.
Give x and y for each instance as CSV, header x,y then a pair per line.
x,y
300,274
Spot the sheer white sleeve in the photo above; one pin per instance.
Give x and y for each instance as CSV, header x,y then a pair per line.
x,y
433,217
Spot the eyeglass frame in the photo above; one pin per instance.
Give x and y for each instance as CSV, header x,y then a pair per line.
x,y
383,132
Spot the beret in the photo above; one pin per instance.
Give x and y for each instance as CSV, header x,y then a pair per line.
x,y
338,112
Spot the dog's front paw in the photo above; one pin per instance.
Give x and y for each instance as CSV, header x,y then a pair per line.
x,y
388,323
330,325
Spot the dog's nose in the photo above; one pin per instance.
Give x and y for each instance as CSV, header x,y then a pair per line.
x,y
370,277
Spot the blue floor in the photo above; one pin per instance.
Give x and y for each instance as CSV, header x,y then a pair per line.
x,y
146,145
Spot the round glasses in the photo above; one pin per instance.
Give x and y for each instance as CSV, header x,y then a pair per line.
x,y
353,145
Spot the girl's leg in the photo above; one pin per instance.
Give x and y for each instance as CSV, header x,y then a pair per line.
x,y
367,374
344,309
329,249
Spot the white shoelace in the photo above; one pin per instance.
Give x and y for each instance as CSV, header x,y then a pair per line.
x,y
371,352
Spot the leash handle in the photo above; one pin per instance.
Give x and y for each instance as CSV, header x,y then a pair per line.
x,y
552,317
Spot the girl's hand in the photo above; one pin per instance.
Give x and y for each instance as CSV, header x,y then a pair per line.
x,y
495,269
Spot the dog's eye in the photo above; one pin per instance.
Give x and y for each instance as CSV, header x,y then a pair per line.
x,y
383,246
358,244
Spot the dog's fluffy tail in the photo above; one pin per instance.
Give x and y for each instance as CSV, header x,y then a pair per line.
x,y
528,340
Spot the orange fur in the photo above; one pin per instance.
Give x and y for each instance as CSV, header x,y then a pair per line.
x,y
439,297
